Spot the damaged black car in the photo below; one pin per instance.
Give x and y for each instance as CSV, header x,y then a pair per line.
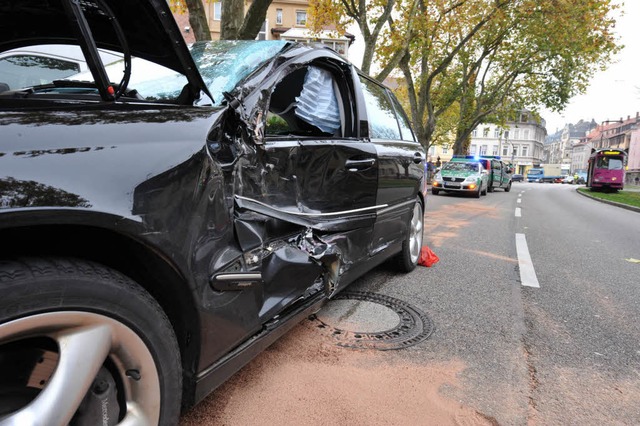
x,y
167,212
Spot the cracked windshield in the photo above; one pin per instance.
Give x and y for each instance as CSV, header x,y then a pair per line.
x,y
325,212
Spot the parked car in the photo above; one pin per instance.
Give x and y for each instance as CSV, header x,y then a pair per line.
x,y
568,179
42,64
162,227
517,177
461,175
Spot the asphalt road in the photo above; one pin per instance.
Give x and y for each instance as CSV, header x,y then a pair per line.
x,y
566,352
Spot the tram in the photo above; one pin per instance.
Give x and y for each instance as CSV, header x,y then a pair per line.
x,y
606,169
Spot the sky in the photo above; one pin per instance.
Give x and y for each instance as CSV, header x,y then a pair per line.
x,y
612,94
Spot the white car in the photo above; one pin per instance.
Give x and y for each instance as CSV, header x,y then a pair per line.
x,y
42,64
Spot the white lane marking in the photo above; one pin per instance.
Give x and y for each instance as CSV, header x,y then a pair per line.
x,y
518,212
519,200
528,275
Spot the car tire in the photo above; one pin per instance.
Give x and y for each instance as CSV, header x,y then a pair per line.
x,y
485,190
101,334
434,191
407,259
508,187
490,188
478,192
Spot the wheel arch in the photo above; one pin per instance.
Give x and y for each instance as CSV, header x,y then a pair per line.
x,y
131,257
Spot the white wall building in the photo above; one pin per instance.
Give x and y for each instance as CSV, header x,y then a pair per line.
x,y
519,142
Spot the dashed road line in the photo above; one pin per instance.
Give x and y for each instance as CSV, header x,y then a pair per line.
x,y
519,200
528,275
518,212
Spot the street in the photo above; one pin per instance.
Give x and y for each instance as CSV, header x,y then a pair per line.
x,y
553,340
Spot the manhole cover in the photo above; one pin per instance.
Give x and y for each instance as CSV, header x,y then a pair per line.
x,y
378,321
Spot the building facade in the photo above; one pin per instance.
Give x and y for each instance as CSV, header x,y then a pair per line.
x,y
567,146
620,134
520,142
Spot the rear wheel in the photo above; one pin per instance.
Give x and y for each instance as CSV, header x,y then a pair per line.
x,y
82,344
407,259
508,187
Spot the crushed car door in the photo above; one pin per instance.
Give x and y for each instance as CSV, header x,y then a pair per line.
x,y
313,183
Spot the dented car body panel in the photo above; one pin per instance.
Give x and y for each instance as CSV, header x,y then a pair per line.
x,y
263,203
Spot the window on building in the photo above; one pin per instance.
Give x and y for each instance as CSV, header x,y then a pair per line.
x,y
494,150
485,132
525,134
525,151
278,16
474,134
516,134
524,117
445,148
483,150
301,17
515,150
472,149
432,151
262,35
217,10
505,150
506,134
496,133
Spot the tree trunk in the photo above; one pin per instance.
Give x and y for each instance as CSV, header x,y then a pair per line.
x,y
231,20
254,19
198,20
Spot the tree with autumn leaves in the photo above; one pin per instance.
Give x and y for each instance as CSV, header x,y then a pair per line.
x,y
464,62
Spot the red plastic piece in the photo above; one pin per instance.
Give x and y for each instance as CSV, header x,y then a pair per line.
x,y
427,257
111,91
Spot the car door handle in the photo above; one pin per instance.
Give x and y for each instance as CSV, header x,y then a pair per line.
x,y
417,158
359,165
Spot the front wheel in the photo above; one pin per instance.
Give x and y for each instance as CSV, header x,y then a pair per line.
x,y
407,259
434,191
82,344
508,188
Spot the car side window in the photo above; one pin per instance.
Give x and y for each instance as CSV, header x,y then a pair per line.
x,y
403,121
306,103
20,71
381,113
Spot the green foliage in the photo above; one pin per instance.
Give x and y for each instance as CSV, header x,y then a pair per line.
x,y
485,59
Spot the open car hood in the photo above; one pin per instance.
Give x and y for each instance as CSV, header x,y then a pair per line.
x,y
148,25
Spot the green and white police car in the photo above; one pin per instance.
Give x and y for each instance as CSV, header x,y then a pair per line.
x,y
461,175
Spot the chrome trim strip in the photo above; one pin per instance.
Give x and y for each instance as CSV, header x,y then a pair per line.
x,y
364,209
238,277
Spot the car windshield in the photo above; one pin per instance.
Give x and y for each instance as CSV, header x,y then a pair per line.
x,y
461,167
223,64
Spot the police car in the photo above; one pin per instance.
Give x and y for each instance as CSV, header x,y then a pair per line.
x,y
461,174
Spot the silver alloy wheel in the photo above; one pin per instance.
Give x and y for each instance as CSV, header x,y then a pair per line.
x,y
85,340
415,236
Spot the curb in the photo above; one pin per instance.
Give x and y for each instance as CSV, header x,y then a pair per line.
x,y
613,203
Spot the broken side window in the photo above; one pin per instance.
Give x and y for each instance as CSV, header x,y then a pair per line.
x,y
305,103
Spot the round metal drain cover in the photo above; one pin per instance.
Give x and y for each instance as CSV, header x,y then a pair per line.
x,y
401,325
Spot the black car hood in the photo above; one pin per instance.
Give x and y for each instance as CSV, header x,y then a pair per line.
x,y
148,25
